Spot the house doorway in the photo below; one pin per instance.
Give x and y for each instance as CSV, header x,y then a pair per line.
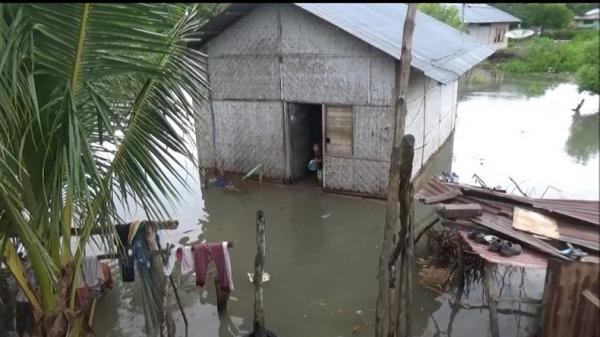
x,y
306,129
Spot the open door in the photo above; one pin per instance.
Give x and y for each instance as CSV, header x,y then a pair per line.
x,y
305,130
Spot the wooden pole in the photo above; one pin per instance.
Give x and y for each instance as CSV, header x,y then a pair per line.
x,y
403,303
383,312
461,268
259,261
491,298
163,225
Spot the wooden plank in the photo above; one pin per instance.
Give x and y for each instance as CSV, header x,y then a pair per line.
x,y
442,197
591,297
462,211
567,311
535,223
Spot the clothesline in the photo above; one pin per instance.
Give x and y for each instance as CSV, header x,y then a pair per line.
x,y
115,256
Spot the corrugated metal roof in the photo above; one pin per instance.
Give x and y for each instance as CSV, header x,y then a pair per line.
x,y
482,13
584,210
440,51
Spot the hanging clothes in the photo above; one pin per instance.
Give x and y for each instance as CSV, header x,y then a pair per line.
x,y
92,271
107,273
186,257
216,252
170,260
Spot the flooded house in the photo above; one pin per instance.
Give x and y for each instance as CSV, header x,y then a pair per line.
x,y
286,76
486,23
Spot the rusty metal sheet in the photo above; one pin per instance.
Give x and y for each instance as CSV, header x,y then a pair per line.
x,y
503,225
576,219
529,258
535,223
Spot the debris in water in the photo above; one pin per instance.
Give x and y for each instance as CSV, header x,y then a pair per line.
x,y
359,312
433,277
355,328
325,216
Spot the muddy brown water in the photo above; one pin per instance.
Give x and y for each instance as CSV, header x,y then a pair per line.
x,y
322,249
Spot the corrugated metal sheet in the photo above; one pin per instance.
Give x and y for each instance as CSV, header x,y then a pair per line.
x,y
529,258
440,51
577,220
482,13
584,210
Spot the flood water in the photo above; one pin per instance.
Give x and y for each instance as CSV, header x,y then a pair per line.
x,y
322,249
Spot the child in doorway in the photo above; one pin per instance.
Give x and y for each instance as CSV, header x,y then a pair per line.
x,y
319,159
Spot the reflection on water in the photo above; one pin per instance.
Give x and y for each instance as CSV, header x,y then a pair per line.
x,y
504,131
583,140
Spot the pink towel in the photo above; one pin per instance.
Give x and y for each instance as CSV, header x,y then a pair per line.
x,y
217,252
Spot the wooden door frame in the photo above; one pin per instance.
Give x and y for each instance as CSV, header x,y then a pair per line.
x,y
323,137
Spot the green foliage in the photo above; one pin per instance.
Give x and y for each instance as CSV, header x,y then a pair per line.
x,y
570,33
581,8
578,56
544,55
546,15
446,14
588,76
95,101
207,11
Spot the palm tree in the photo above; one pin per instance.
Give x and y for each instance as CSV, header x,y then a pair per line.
x,y
95,101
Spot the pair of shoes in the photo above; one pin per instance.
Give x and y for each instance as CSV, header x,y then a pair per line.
x,y
478,237
505,248
573,252
510,249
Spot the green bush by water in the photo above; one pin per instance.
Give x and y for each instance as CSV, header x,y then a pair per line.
x,y
578,56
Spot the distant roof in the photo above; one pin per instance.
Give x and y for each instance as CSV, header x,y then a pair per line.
x,y
590,15
593,11
482,13
440,51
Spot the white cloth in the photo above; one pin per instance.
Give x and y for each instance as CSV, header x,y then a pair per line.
x,y
187,260
171,257
92,271
228,264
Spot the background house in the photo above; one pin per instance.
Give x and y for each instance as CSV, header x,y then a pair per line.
x,y
591,19
284,76
486,23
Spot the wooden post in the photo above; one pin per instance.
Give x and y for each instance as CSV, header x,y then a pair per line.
x,y
383,311
461,268
491,298
259,261
401,326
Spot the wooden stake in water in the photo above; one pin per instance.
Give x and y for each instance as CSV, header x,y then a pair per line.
x,y
259,261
